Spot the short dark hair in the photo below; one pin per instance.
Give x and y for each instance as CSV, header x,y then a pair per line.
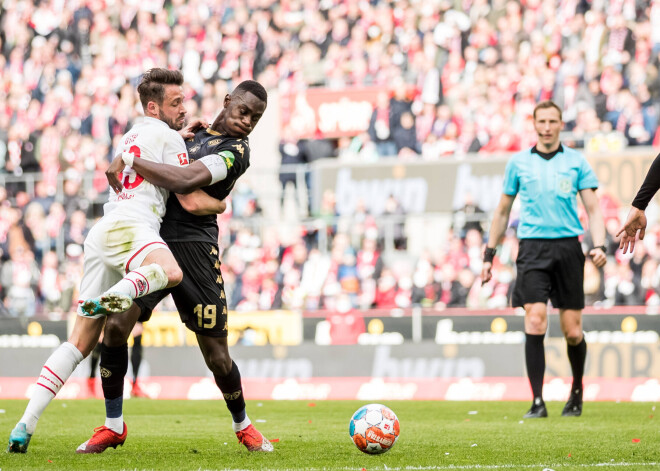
x,y
253,87
152,85
547,104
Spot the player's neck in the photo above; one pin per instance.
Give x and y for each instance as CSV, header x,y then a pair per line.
x,y
548,149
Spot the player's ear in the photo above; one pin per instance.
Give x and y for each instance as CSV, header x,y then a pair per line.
x,y
227,100
152,107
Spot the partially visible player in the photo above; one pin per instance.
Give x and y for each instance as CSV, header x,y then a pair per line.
x,y
125,257
200,298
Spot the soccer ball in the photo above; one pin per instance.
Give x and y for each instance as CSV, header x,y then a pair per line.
x,y
374,428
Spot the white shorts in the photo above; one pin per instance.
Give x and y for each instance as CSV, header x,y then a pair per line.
x,y
113,247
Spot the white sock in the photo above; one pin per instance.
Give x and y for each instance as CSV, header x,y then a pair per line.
x,y
54,374
241,425
116,424
141,281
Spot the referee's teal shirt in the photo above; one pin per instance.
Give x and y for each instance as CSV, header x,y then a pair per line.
x,y
548,192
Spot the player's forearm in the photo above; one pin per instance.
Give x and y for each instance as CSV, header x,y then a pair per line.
x,y
176,179
200,203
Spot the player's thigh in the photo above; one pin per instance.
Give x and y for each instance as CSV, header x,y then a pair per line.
x,y
127,242
568,275
200,297
533,278
97,276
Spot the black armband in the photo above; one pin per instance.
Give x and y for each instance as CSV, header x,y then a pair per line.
x,y
489,254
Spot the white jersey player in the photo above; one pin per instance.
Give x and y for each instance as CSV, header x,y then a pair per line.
x,y
125,256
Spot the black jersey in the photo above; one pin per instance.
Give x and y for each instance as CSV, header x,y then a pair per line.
x,y
178,224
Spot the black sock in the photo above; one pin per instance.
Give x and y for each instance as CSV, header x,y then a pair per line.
x,y
136,356
94,360
114,364
232,390
577,354
535,361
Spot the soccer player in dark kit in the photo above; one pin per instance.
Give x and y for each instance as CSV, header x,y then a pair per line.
x,y
200,297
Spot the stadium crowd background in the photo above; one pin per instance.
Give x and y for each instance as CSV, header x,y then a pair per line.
x,y
458,77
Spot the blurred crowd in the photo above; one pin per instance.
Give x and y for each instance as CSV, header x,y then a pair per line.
x,y
457,76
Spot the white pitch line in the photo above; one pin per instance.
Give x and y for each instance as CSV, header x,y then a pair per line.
x,y
540,467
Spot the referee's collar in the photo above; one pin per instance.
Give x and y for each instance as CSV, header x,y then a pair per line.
x,y
547,156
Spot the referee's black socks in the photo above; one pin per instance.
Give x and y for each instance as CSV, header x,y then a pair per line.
x,y
577,354
535,362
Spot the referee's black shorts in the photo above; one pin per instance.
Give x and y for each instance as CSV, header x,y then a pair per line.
x,y
200,297
550,269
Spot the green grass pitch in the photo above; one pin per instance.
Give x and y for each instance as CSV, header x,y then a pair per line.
x,y
197,435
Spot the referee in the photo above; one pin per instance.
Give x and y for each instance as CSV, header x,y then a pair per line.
x,y
550,263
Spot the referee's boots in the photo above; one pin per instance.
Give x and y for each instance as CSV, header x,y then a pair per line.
x,y
537,410
573,407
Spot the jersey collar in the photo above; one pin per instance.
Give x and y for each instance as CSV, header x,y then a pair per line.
x,y
547,156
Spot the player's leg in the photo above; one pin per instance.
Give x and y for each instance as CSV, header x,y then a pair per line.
x,y
201,302
55,372
64,360
228,378
93,364
114,365
149,267
136,359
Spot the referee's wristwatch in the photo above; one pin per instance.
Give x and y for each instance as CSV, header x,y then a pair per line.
x,y
602,247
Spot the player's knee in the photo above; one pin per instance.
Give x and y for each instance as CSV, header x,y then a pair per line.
x,y
115,333
174,275
219,364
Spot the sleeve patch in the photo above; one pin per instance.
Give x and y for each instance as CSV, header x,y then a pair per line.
x,y
183,158
228,157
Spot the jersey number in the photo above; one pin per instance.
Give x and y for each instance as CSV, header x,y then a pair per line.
x,y
206,316
137,178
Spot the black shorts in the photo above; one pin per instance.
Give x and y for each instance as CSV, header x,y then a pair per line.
x,y
550,269
200,297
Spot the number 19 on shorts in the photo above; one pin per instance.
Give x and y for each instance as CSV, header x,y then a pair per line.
x,y
206,316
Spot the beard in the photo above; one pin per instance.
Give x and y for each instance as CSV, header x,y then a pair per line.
x,y
170,122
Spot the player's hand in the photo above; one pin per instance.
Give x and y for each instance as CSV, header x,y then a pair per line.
x,y
112,174
598,257
192,127
636,222
486,273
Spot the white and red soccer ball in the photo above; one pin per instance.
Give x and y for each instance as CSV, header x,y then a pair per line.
x,y
374,428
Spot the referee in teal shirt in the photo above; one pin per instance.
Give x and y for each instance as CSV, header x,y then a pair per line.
x,y
550,263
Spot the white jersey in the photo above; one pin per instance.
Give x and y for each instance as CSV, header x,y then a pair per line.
x,y
150,139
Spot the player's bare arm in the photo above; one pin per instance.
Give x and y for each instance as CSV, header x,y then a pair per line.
x,y
596,226
496,232
176,179
201,203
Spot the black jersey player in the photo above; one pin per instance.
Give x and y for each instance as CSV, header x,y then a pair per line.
x,y
200,297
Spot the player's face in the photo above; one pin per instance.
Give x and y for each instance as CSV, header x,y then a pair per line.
x,y
242,113
548,125
172,111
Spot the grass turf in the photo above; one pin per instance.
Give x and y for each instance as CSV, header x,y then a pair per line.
x,y
197,435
